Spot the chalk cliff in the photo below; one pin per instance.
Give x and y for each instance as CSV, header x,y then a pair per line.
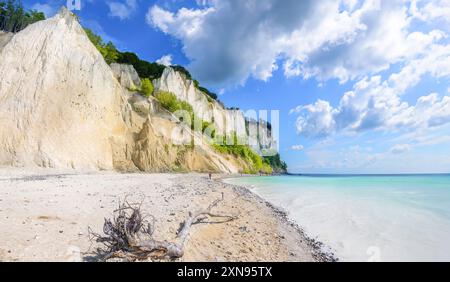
x,y
61,105
225,121
126,75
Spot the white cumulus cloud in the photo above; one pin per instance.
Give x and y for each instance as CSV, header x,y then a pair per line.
x,y
165,60
229,41
431,10
374,103
122,9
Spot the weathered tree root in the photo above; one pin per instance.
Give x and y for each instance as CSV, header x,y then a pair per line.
x,y
129,234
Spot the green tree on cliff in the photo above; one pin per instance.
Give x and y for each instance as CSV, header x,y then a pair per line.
x,y
108,50
14,18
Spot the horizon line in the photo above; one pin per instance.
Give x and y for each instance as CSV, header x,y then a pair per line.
x,y
366,174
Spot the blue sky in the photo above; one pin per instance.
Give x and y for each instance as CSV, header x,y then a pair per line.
x,y
361,86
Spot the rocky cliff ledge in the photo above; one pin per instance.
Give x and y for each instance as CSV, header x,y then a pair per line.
x,y
62,106
126,75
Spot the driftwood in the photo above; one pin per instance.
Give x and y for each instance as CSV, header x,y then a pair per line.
x,y
129,234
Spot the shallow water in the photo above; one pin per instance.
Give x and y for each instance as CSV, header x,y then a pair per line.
x,y
367,218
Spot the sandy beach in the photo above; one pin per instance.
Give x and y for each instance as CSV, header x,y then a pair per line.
x,y
45,215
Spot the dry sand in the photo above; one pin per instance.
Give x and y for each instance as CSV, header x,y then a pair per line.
x,y
45,215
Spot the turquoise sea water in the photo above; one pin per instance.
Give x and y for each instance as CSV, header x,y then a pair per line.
x,y
367,218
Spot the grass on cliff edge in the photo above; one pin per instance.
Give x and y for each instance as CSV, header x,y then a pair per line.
x,y
170,102
255,163
146,87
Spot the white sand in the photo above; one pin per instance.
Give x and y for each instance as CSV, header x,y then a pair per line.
x,y
45,215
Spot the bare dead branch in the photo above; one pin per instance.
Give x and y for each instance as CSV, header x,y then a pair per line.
x,y
128,235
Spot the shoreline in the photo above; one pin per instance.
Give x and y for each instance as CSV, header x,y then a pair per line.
x,y
317,246
45,215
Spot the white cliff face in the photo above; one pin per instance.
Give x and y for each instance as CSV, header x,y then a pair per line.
x,y
225,121
57,97
185,90
126,75
62,106
261,138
